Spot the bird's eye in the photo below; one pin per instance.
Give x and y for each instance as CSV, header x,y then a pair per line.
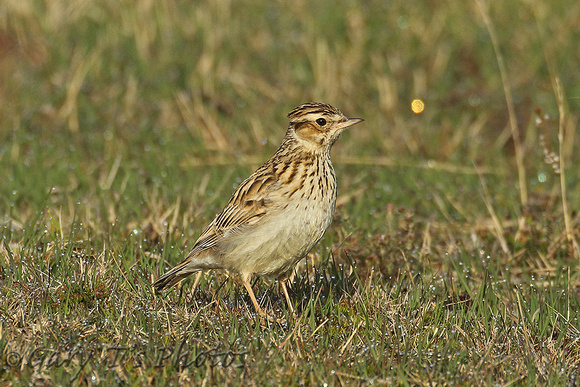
x,y
321,122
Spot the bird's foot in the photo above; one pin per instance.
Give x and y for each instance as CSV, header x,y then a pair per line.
x,y
266,317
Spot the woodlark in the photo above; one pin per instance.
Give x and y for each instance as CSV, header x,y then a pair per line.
x,y
280,212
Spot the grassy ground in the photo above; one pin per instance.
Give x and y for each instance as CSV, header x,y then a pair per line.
x,y
453,258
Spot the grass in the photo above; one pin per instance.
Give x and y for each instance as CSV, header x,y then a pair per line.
x,y
453,256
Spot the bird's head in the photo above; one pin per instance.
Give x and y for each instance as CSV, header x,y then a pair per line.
x,y
316,126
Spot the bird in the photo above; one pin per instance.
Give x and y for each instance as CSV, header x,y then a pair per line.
x,y
278,214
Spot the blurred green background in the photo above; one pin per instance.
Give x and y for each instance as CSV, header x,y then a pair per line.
x,y
164,84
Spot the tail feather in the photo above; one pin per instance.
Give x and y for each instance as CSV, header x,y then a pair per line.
x,y
173,276
191,264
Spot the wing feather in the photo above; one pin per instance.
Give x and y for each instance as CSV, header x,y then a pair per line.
x,y
249,203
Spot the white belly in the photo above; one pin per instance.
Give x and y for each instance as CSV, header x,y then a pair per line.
x,y
275,244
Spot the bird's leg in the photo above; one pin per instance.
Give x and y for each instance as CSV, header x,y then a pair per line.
x,y
248,286
195,283
283,284
197,278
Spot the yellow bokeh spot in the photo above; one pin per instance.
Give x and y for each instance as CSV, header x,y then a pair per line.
x,y
417,106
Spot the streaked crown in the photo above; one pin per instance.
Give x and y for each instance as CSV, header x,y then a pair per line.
x,y
311,109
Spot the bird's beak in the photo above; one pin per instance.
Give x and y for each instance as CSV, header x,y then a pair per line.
x,y
349,122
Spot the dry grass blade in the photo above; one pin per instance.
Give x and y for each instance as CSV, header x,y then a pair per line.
x,y
200,121
348,342
559,159
519,151
69,109
561,138
498,229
